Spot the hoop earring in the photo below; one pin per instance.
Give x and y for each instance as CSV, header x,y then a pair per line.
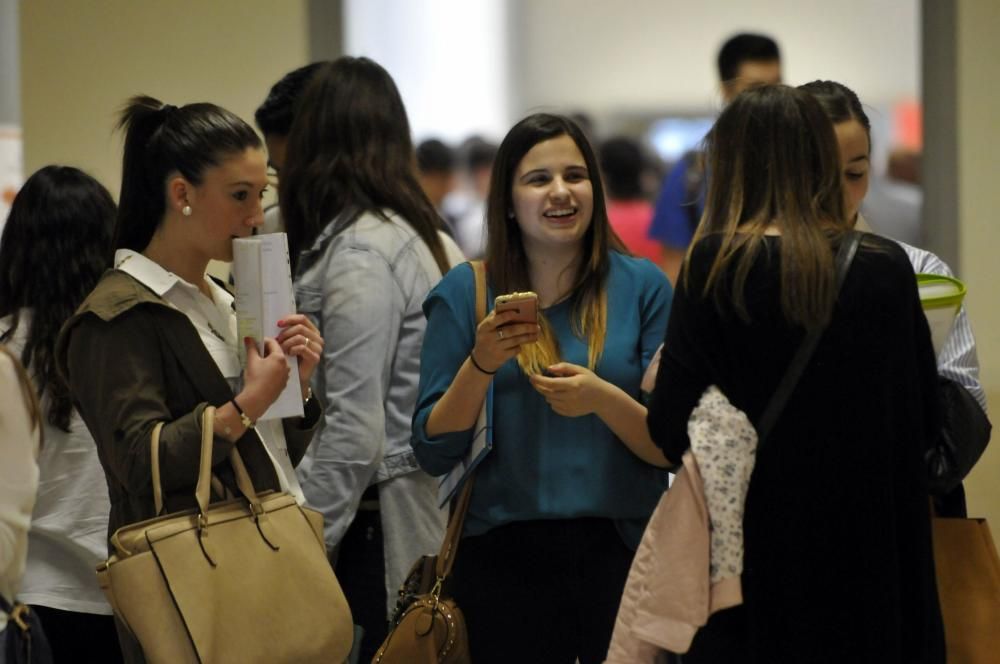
x,y
186,210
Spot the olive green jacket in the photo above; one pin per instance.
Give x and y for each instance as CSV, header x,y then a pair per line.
x,y
132,360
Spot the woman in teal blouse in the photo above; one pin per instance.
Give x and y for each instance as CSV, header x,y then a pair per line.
x,y
561,500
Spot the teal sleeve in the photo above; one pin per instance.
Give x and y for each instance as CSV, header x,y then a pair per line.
x,y
448,339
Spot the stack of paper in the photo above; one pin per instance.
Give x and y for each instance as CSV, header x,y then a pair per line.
x,y
264,296
941,298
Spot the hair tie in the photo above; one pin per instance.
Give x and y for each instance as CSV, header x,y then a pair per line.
x,y
168,109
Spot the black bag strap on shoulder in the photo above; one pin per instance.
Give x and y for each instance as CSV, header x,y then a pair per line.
x,y
845,256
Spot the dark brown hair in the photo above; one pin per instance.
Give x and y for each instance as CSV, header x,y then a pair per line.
x,y
350,149
55,246
840,103
773,160
161,139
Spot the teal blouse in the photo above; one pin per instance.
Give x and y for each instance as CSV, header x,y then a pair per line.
x,y
544,465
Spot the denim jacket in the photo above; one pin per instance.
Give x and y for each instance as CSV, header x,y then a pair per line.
x,y
363,282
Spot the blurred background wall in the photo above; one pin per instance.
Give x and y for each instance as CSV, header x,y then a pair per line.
x,y
80,61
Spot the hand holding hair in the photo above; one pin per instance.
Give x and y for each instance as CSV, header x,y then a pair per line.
x,y
571,390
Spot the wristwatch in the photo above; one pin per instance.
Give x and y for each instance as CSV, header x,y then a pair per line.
x,y
244,418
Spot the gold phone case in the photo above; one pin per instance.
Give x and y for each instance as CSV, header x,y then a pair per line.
x,y
513,297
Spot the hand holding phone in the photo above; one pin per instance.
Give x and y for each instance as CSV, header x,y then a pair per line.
x,y
524,304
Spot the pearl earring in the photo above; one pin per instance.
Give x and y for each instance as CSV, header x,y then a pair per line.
x,y
186,210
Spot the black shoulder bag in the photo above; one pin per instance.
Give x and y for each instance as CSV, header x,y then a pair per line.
x,y
24,640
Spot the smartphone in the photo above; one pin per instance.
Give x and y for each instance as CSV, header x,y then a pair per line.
x,y
525,304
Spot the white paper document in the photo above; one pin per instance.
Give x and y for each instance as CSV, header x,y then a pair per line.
x,y
264,295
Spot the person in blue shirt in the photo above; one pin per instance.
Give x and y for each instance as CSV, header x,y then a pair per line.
x,y
744,60
560,501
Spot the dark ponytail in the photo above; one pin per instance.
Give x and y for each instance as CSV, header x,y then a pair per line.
x,y
161,139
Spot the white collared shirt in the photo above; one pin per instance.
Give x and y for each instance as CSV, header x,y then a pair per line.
x,y
215,323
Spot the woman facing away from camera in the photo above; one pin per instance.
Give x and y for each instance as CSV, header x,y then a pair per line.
x,y
55,246
366,248
837,549
155,341
559,504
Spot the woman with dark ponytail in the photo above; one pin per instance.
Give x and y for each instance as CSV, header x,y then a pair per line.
x,y
55,245
156,340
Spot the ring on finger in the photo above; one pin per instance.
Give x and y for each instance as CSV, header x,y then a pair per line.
x,y
500,335
307,343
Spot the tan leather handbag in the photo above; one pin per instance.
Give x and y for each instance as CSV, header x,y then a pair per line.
x,y
245,580
430,628
968,581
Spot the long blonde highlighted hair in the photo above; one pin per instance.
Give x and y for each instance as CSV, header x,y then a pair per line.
x,y
507,261
773,160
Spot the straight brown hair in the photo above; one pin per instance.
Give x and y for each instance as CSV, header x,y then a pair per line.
x,y
350,149
507,261
773,161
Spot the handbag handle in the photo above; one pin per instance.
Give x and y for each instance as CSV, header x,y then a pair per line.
x,y
449,547
204,486
845,256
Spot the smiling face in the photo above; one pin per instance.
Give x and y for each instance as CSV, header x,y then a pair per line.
x,y
226,205
552,195
852,139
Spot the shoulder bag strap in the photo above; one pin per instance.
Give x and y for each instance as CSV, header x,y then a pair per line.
x,y
449,547
154,460
845,256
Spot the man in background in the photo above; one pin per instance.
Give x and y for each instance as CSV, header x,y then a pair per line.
x,y
744,60
436,171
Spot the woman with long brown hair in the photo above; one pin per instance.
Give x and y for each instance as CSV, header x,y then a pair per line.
x,y
559,503
366,246
55,246
837,551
